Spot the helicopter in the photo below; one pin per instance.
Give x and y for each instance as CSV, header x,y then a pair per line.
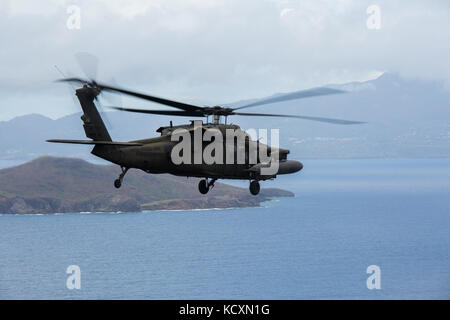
x,y
156,155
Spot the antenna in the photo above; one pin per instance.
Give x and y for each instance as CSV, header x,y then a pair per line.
x,y
64,76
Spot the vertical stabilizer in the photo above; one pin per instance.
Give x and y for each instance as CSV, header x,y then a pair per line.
x,y
92,121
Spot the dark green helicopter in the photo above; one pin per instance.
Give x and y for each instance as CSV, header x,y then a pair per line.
x,y
154,155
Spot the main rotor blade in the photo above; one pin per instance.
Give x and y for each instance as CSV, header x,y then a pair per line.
x,y
322,91
161,112
327,120
74,79
167,102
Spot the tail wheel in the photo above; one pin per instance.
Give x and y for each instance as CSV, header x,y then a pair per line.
x,y
254,187
117,183
203,186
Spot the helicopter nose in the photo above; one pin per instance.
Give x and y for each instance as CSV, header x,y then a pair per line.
x,y
289,166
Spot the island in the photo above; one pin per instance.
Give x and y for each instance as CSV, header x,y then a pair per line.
x,y
61,185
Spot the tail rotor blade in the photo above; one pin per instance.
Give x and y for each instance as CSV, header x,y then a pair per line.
x,y
88,64
103,114
114,99
70,88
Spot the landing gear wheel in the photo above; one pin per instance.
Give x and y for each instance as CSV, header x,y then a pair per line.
x,y
118,182
254,187
203,186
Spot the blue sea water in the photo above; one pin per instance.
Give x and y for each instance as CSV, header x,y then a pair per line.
x,y
346,216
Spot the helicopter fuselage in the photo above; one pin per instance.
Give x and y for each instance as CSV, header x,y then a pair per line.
x,y
155,155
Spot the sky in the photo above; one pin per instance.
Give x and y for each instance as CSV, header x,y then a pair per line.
x,y
211,52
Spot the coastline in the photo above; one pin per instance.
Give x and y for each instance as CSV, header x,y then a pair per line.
x,y
271,200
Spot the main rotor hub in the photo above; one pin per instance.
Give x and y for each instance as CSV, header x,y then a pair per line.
x,y
218,110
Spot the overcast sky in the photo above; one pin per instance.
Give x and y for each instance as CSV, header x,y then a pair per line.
x,y
214,51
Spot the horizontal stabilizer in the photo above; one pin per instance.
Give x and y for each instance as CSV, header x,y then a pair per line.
x,y
113,143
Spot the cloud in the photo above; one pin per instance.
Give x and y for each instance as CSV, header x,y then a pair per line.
x,y
215,51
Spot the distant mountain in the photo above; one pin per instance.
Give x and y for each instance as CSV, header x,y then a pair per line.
x,y
406,118
54,185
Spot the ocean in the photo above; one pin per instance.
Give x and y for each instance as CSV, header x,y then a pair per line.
x,y
347,215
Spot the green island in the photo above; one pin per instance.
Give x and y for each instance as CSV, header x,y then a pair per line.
x,y
62,185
